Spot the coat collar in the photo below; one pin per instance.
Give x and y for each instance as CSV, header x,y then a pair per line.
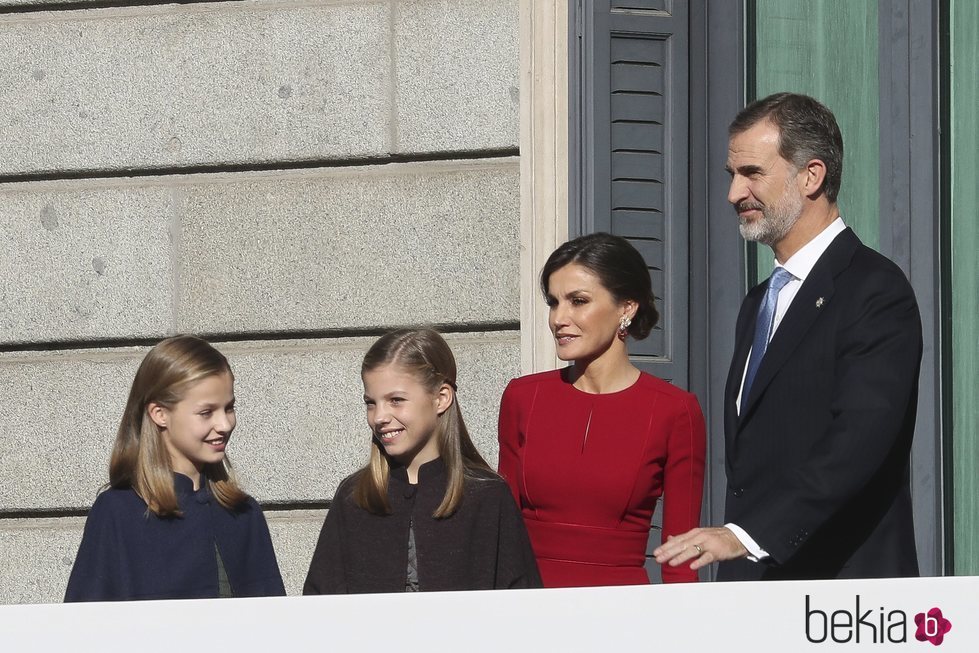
x,y
426,473
184,487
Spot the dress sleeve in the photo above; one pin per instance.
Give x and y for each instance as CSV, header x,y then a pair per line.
x,y
99,572
683,480
516,566
326,570
509,439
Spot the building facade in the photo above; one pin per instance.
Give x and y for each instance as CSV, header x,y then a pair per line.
x,y
291,178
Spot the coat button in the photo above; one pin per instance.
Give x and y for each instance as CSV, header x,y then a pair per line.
x,y
738,492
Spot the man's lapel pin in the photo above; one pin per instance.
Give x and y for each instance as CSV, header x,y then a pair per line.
x,y
820,302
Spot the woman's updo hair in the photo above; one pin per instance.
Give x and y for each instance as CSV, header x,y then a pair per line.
x,y
620,268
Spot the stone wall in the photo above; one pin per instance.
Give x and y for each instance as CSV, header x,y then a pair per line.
x,y
288,179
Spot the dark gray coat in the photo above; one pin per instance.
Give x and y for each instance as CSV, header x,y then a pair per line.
x,y
483,545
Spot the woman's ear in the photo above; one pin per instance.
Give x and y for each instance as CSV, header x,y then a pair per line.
x,y
631,307
157,413
444,398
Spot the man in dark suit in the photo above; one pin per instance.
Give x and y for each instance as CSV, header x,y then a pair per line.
x,y
822,390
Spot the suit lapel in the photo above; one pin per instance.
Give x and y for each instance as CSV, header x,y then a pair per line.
x,y
744,333
814,295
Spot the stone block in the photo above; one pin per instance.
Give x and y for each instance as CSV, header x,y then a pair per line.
x,y
82,262
314,250
29,4
194,84
348,249
301,421
58,420
457,64
36,557
294,534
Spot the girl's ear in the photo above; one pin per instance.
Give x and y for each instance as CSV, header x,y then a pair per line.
x,y
157,413
444,398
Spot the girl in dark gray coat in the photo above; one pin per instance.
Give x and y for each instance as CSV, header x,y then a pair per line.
x,y
426,512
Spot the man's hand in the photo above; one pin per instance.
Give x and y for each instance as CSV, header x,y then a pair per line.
x,y
702,545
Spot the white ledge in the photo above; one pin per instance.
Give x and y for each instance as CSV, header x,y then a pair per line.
x,y
756,617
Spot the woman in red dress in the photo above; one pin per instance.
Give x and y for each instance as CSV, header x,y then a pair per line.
x,y
588,450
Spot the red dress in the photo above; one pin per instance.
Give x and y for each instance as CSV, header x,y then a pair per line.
x,y
588,469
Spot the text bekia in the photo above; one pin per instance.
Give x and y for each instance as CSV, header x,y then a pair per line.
x,y
874,625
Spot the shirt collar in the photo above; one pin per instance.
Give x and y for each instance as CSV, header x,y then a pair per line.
x,y
802,262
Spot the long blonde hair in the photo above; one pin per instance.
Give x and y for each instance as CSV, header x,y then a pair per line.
x,y
424,354
140,459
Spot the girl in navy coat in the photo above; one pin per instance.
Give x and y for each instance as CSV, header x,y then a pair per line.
x,y
173,522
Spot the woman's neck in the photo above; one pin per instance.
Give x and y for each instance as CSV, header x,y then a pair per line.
x,y
604,374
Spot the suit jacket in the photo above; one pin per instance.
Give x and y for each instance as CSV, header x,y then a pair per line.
x,y
817,460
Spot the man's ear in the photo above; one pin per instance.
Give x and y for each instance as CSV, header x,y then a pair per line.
x,y
444,398
157,413
814,175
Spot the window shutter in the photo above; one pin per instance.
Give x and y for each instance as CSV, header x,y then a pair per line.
x,y
634,154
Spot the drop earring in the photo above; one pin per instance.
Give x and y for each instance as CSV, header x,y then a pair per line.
x,y
623,329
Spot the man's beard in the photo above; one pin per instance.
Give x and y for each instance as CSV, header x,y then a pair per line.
x,y
776,220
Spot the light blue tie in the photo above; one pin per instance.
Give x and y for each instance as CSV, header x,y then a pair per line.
x,y
763,326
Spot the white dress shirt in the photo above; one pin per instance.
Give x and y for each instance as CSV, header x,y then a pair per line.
x,y
799,266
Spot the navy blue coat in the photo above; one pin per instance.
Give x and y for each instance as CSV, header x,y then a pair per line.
x,y
817,459
129,553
